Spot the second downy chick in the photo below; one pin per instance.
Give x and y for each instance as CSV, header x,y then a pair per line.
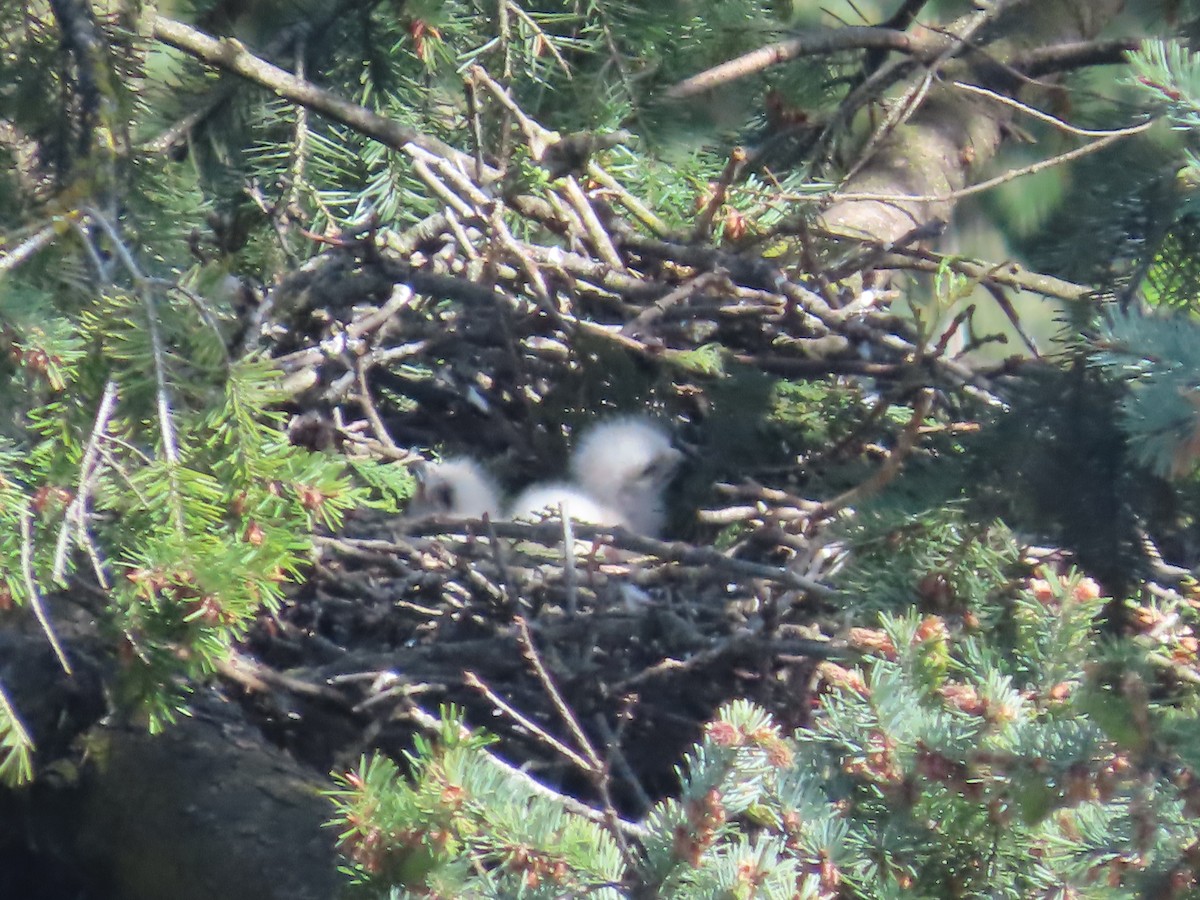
x,y
625,464
455,488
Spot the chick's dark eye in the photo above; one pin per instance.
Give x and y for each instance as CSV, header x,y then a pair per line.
x,y
443,496
660,467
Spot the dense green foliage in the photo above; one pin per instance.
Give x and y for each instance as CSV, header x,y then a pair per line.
x,y
1012,759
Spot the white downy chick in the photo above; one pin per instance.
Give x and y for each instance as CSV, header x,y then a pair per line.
x,y
455,488
626,464
547,498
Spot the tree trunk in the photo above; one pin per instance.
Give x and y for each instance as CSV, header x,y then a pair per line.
x,y
954,134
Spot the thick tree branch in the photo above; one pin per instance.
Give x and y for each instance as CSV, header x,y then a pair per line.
x,y
1058,58
230,55
817,43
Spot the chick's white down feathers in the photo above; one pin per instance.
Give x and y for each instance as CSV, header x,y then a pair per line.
x,y
620,468
455,488
551,497
626,464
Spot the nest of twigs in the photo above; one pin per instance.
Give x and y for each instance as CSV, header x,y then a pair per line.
x,y
466,335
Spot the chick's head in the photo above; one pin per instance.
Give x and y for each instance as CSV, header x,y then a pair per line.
x,y
455,488
627,463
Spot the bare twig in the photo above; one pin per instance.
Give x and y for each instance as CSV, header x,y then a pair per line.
x,y
704,221
35,599
500,557
718,282
751,642
891,467
549,533
525,262
987,184
439,189
476,125
165,421
614,754
1010,275
434,725
256,676
525,640
639,210
537,137
43,237
474,681
368,407
202,310
596,769
900,111
601,241
401,298
570,576
1010,312
1063,57
75,517
1038,114
544,40
145,287
817,43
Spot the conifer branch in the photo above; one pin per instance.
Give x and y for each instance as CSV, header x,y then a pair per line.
x,y
433,725
230,55
145,288
1058,58
817,43
16,745
543,38
978,712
